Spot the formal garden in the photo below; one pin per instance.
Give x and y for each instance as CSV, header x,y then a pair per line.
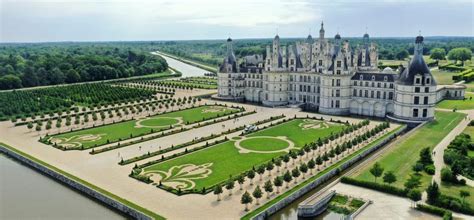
x,y
115,132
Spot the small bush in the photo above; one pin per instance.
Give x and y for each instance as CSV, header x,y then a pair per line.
x,y
430,169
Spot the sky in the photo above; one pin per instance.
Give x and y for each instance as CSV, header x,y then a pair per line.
x,y
127,20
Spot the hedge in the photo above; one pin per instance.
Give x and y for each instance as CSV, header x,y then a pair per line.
x,y
376,186
449,202
446,214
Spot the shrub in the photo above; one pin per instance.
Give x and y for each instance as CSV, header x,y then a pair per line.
x,y
430,169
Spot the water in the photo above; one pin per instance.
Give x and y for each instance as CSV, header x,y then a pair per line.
x,y
27,194
186,69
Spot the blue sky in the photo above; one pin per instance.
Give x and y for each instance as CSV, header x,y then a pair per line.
x,y
124,20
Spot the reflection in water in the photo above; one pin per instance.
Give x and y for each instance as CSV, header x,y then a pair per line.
x,y
27,194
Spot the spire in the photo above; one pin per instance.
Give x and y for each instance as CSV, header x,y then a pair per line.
x,y
229,47
419,44
321,31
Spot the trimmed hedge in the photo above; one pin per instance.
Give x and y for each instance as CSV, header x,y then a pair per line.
x,y
376,186
446,214
454,204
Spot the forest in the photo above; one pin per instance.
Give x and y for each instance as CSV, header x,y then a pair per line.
x,y
211,52
40,64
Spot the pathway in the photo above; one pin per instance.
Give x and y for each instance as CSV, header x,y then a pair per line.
x,y
438,151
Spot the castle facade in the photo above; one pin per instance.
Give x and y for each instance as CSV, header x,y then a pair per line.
x,y
335,79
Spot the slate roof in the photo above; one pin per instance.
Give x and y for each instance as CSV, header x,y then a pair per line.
x,y
379,77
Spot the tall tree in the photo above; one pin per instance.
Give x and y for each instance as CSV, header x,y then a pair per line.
x,y
246,200
257,194
218,191
268,187
438,53
376,170
389,177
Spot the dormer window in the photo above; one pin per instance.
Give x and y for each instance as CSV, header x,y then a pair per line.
x,y
417,80
428,80
338,63
373,77
385,78
361,77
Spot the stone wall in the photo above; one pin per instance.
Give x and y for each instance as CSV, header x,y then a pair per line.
x,y
131,212
317,182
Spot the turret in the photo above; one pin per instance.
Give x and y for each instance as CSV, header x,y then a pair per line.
x,y
321,31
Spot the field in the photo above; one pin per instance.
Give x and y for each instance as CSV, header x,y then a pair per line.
x,y
404,155
215,164
120,131
465,104
193,82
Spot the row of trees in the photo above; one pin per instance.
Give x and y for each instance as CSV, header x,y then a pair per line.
x,y
458,161
29,65
27,102
457,54
298,171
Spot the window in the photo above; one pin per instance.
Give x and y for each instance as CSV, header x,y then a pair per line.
x,y
385,78
292,62
417,89
415,112
332,82
373,77
338,63
338,82
338,72
367,93
367,84
416,100
320,62
361,77
427,89
354,93
337,103
360,93
378,85
371,94
417,80
425,100
428,80
425,113
338,93
390,95
378,94
355,83
384,95
391,85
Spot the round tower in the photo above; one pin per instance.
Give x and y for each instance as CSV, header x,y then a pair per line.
x,y
415,89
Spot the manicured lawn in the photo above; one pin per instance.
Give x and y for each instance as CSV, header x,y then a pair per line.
x,y
264,144
453,190
443,77
465,104
114,132
401,158
210,166
470,86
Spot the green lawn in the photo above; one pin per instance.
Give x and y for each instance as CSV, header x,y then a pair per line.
x,y
402,157
443,77
213,165
470,86
264,144
465,104
99,135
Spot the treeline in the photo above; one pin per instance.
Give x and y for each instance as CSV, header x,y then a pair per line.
x,y
211,52
30,65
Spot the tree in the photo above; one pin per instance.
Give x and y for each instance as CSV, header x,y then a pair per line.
x,y
438,53
268,187
433,192
38,128
30,125
278,164
311,165
278,182
251,175
286,159
241,180
229,186
56,76
269,168
246,200
218,191
376,171
257,194
463,194
261,171
295,173
389,177
413,182
304,169
319,161
415,196
402,54
72,76
10,82
293,156
287,178
425,156
461,54
418,167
